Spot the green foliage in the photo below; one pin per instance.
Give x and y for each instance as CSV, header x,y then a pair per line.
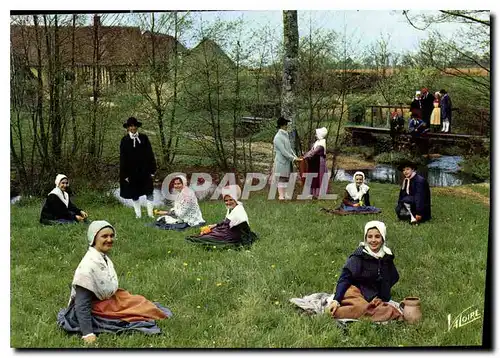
x,y
246,293
366,153
477,166
357,112
383,144
398,157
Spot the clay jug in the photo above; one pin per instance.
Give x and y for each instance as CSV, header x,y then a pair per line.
x,y
411,309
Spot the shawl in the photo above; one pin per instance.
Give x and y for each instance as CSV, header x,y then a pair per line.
x,y
355,192
186,207
58,192
237,215
96,273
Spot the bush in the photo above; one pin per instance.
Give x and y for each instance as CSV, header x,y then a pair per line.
x,y
383,144
398,157
366,153
357,113
478,167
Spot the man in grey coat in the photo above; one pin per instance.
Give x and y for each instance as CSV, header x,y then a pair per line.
x,y
284,156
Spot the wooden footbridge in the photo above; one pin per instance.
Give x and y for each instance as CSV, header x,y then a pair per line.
x,y
365,135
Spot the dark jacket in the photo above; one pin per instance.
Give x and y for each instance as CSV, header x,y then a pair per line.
x,y
419,197
137,164
445,107
374,277
55,209
416,108
427,107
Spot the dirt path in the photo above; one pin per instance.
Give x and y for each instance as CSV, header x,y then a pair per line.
x,y
463,191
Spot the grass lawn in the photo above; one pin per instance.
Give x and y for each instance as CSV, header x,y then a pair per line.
x,y
240,299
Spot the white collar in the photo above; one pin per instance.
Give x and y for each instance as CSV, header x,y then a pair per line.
x,y
64,196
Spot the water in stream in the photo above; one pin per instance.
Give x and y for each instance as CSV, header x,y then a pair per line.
x,y
442,171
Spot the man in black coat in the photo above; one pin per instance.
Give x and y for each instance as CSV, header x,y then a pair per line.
x,y
137,167
427,101
414,202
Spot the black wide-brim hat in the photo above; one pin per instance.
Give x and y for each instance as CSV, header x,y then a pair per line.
x,y
407,163
281,122
132,121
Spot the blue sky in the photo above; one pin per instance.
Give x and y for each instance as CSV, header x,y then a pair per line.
x,y
365,26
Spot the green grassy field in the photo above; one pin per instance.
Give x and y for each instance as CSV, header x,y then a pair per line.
x,y
238,299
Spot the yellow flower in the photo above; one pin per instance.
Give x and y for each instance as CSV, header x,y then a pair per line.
x,y
273,266
198,279
169,251
185,263
276,302
198,306
219,284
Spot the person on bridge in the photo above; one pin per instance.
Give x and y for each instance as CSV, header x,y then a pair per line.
x,y
445,111
416,106
436,113
427,101
414,202
416,126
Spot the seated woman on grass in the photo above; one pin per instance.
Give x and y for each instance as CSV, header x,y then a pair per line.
x,y
364,286
96,304
234,230
186,211
58,207
357,197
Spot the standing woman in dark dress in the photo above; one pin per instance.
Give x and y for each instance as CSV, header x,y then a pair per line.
x,y
316,161
137,167
416,106
58,207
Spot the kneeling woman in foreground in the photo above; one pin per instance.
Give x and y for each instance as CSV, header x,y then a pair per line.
x,y
96,303
234,230
364,287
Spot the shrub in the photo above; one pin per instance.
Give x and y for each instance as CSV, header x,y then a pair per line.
x,y
398,157
366,153
478,167
357,112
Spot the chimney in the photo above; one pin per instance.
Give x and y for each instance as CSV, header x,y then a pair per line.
x,y
97,20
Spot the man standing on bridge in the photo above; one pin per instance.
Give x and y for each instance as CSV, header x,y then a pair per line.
x,y
445,111
427,101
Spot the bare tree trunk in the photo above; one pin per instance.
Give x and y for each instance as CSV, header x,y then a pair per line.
x,y
236,105
57,124
74,147
96,71
174,103
44,143
290,67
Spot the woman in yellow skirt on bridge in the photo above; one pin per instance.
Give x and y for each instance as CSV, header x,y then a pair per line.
x,y
436,113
